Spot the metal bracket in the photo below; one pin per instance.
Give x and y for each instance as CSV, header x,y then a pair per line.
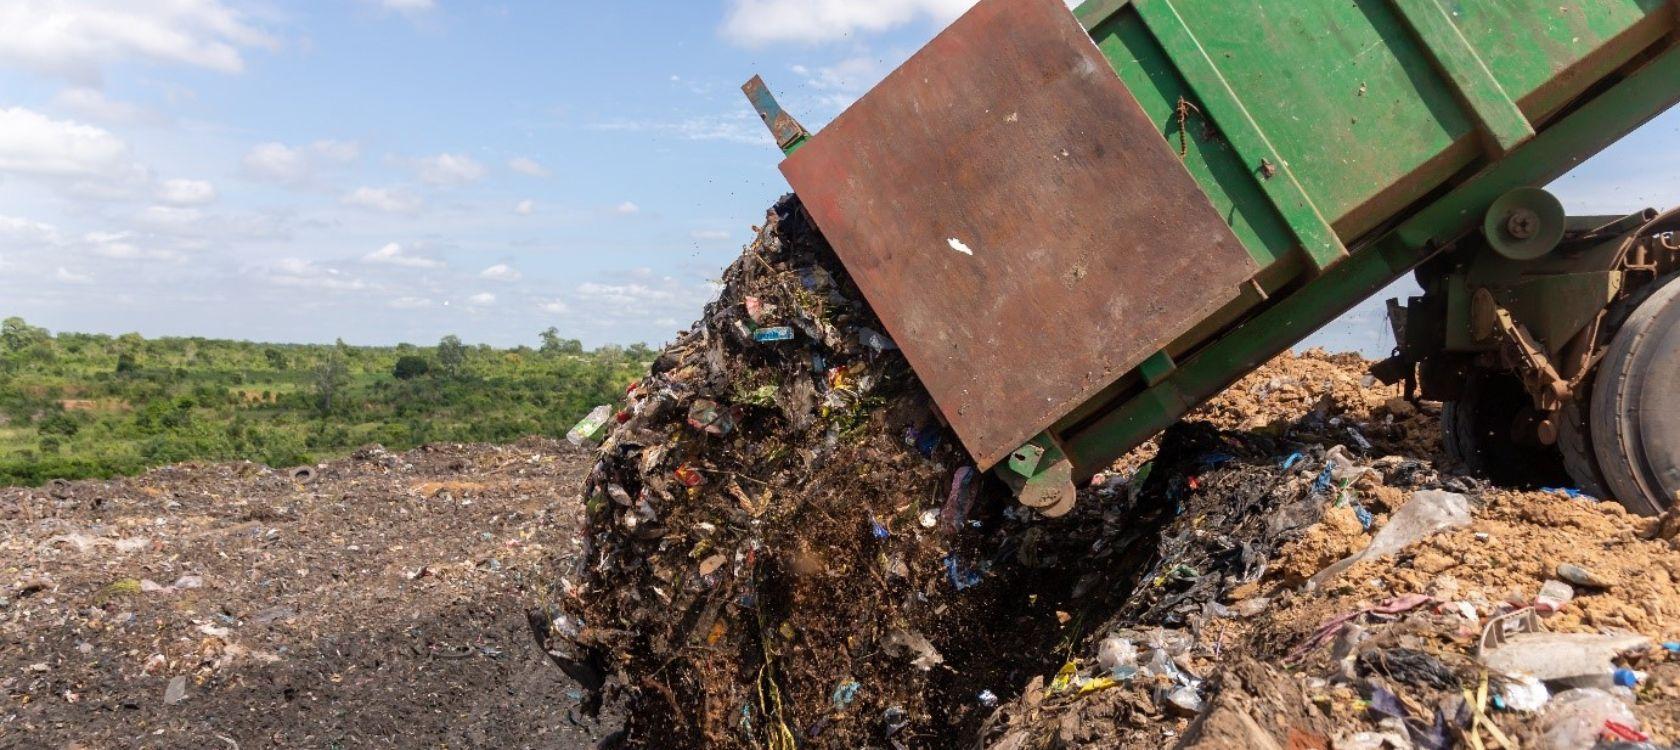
x,y
1520,351
1042,477
790,135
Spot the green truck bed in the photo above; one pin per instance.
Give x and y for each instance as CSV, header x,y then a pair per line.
x,y
1331,147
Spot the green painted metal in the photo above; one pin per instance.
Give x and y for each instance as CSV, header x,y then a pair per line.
x,y
1644,94
1344,142
1157,368
1501,118
1221,103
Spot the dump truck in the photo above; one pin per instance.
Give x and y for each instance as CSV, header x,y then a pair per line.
x,y
1079,225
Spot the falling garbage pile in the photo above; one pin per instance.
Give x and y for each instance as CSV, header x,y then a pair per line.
x,y
784,547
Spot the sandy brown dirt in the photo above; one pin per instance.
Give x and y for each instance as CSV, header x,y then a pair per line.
x,y
380,605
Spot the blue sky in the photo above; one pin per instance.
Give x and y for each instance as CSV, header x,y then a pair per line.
x,y
397,170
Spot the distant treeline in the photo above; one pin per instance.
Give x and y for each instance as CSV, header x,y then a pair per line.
x,y
76,405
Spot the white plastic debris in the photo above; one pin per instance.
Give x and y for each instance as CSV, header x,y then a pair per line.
x,y
1429,512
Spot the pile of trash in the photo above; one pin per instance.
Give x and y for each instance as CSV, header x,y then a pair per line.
x,y
1304,597
785,547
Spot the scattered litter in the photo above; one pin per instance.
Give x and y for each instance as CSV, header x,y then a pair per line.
x,y
589,429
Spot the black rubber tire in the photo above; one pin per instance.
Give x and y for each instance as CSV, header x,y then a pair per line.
x,y
1575,443
1635,426
1477,435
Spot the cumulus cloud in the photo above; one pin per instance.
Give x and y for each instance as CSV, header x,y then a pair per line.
x,y
180,192
554,307
500,272
294,165
393,254
32,143
627,208
529,167
449,169
482,299
300,273
75,39
388,200
525,208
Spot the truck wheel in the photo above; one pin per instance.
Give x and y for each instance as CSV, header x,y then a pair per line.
x,y
1480,433
1635,428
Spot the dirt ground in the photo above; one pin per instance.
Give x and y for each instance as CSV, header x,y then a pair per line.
x,y
381,604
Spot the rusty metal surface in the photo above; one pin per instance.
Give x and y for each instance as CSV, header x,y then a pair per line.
x,y
1023,230
786,130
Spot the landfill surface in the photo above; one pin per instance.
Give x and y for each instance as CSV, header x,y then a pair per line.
x,y
376,601
775,543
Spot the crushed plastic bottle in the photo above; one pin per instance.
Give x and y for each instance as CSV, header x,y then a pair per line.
x,y
589,430
1118,657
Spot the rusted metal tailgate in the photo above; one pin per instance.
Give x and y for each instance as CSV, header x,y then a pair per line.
x,y
1021,227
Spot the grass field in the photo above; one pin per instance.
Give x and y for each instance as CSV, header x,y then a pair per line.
x,y
84,405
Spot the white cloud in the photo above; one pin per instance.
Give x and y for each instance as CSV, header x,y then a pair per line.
x,y
294,165
482,299
756,22
409,303
20,230
187,192
389,200
121,246
67,276
95,105
525,208
76,38
710,235
170,217
554,307
393,254
297,272
627,208
32,143
500,272
407,6
527,166
449,169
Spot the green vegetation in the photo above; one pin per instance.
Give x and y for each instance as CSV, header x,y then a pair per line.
x,y
81,405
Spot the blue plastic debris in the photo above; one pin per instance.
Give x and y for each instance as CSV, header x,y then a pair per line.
x,y
844,694
962,576
1322,483
1364,516
928,440
776,333
1672,647
1216,459
1569,492
1292,459
1626,677
877,528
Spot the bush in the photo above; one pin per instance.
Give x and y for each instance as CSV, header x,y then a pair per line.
x,y
411,366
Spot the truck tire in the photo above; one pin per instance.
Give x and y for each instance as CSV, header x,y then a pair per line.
x,y
1477,432
1635,426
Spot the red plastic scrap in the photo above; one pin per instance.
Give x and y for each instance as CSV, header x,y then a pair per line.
x,y
1624,732
689,476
